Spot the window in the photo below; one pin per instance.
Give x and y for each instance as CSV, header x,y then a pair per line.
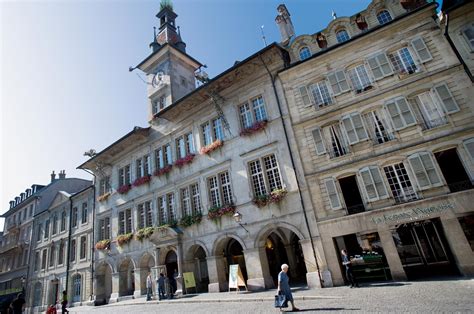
x,y
445,98
46,229
104,185
400,113
402,61
373,183
163,156
76,288
432,113
384,17
31,211
38,232
304,97
37,261
124,176
321,94
377,127
52,256
318,141
55,224
145,215
184,145
360,79
354,128
158,104
336,141
380,66
166,209
334,200
399,183
104,228
219,189
338,82
43,259
190,200
469,146
424,169
73,250
265,175
342,36
468,34
467,225
421,50
125,221
252,112
61,253
74,217
84,213
212,131
82,250
305,53
63,221
25,257
143,167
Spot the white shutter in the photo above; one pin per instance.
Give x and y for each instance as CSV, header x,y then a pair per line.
x,y
305,96
433,115
342,81
421,50
380,66
369,184
332,193
333,81
430,168
405,111
375,68
378,181
359,127
397,120
424,169
350,130
446,99
318,141
469,145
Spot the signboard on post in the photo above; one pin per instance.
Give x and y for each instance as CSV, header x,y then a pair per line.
x,y
189,281
236,279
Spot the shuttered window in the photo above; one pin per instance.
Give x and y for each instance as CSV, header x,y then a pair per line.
x,y
373,183
469,145
446,98
422,51
321,94
424,169
338,82
400,113
380,66
359,78
318,141
354,128
432,113
305,96
468,34
334,200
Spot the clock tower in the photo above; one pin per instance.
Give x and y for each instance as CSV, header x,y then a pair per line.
x,y
169,69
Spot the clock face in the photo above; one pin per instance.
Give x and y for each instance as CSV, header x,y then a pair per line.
x,y
157,79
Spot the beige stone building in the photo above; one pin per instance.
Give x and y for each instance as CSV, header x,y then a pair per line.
x,y
381,109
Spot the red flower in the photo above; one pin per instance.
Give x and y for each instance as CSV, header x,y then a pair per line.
x,y
124,188
183,161
211,147
142,180
256,127
162,171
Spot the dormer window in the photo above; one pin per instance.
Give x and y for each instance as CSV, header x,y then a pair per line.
x,y
305,53
384,17
342,36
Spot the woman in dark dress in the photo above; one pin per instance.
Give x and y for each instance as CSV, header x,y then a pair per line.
x,y
284,286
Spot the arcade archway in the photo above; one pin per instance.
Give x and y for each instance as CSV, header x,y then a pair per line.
x,y
104,283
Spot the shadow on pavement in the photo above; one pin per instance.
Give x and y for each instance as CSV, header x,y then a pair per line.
x,y
324,309
385,284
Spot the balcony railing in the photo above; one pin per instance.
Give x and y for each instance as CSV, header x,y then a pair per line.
x,y
460,186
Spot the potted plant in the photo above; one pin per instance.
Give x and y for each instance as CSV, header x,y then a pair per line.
x,y
256,127
184,161
124,188
103,245
123,239
211,147
103,197
144,233
219,211
142,180
164,170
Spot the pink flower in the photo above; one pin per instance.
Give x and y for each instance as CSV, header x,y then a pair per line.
x,y
185,160
162,171
124,188
256,127
142,180
211,147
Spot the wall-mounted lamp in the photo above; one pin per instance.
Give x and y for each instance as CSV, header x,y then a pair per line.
x,y
238,219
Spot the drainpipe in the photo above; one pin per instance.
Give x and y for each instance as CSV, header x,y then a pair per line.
x,y
68,255
456,51
93,233
30,252
292,159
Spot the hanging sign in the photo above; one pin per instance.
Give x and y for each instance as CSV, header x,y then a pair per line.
x,y
236,279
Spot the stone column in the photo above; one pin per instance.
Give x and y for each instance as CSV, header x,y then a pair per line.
x,y
137,274
115,287
391,254
460,248
179,280
257,269
216,269
312,275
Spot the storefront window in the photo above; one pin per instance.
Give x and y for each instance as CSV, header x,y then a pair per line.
x,y
467,224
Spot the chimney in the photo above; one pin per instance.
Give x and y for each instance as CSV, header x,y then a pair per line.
x,y
62,174
53,177
12,204
22,196
28,192
284,23
17,200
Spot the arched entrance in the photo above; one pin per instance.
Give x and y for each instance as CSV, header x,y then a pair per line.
x,y
126,278
171,262
234,254
197,263
276,255
76,288
104,284
147,262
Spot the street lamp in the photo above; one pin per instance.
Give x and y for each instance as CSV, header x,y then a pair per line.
x,y
238,219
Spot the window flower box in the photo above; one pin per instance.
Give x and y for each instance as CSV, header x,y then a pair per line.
x,y
189,220
103,245
184,161
164,170
103,197
123,239
219,211
142,180
211,147
276,196
124,189
170,224
144,233
256,127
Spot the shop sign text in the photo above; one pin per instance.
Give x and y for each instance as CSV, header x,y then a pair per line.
x,y
414,213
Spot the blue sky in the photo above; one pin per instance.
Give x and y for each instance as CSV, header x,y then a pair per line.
x,y
64,80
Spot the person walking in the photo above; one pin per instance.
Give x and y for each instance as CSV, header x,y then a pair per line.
x,y
64,303
18,304
284,286
161,286
349,274
149,285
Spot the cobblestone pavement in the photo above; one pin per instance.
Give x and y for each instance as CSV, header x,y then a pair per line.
x,y
447,296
